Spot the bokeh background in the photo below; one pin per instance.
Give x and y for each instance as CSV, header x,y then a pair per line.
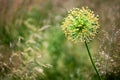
x,y
33,46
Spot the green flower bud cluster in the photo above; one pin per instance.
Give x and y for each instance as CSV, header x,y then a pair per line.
x,y
80,25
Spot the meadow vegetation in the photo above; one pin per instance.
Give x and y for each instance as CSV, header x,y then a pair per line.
x,y
33,46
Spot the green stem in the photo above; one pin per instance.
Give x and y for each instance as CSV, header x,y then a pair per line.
x,y
92,61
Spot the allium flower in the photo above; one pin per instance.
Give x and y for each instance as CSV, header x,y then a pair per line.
x,y
80,25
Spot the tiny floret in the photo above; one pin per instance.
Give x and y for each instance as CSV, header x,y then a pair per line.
x,y
80,25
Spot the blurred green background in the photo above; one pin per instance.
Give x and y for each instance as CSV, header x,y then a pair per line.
x,y
33,46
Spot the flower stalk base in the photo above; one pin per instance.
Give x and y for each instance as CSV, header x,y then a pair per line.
x,y
92,61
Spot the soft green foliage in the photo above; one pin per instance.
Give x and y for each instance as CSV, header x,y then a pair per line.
x,y
25,45
42,52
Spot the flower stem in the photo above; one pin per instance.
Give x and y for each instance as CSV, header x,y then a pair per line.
x,y
92,61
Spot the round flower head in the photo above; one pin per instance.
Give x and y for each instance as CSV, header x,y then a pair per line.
x,y
80,25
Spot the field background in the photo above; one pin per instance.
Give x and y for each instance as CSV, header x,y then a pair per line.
x,y
33,46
